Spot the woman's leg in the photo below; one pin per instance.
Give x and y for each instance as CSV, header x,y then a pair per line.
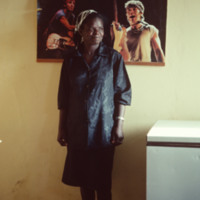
x,y
87,194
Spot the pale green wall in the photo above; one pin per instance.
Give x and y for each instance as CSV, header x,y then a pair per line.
x,y
31,160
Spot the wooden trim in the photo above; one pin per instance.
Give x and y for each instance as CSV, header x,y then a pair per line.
x,y
49,60
174,144
154,64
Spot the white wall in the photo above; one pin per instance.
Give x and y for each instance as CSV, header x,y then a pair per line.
x,y
31,160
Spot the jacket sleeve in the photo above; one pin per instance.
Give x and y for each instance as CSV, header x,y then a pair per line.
x,y
122,85
63,90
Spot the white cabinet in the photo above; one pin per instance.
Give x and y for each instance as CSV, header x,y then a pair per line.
x,y
173,161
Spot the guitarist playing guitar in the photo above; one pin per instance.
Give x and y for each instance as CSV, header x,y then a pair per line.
x,y
60,32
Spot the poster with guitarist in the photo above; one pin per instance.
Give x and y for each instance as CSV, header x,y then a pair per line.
x,y
55,30
135,28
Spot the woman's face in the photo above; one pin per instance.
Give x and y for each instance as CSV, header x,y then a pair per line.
x,y
93,31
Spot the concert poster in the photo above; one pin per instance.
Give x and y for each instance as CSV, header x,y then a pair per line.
x,y
138,34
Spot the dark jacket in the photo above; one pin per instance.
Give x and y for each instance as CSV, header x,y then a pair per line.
x,y
89,95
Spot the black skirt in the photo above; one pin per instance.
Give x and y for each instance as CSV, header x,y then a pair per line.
x,y
89,168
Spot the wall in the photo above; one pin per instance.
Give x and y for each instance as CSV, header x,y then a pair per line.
x,y
31,160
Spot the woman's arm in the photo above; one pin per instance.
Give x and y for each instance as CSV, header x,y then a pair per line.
x,y
117,132
62,134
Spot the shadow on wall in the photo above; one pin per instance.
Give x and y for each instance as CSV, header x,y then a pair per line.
x,y
53,188
129,174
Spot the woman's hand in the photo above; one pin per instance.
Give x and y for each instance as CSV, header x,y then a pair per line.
x,y
117,134
62,138
62,134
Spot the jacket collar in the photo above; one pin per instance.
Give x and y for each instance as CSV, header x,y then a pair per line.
x,y
101,51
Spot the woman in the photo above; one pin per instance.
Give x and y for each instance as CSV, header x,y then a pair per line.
x,y
94,89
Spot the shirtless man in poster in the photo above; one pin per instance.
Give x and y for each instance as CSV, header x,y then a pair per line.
x,y
141,37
